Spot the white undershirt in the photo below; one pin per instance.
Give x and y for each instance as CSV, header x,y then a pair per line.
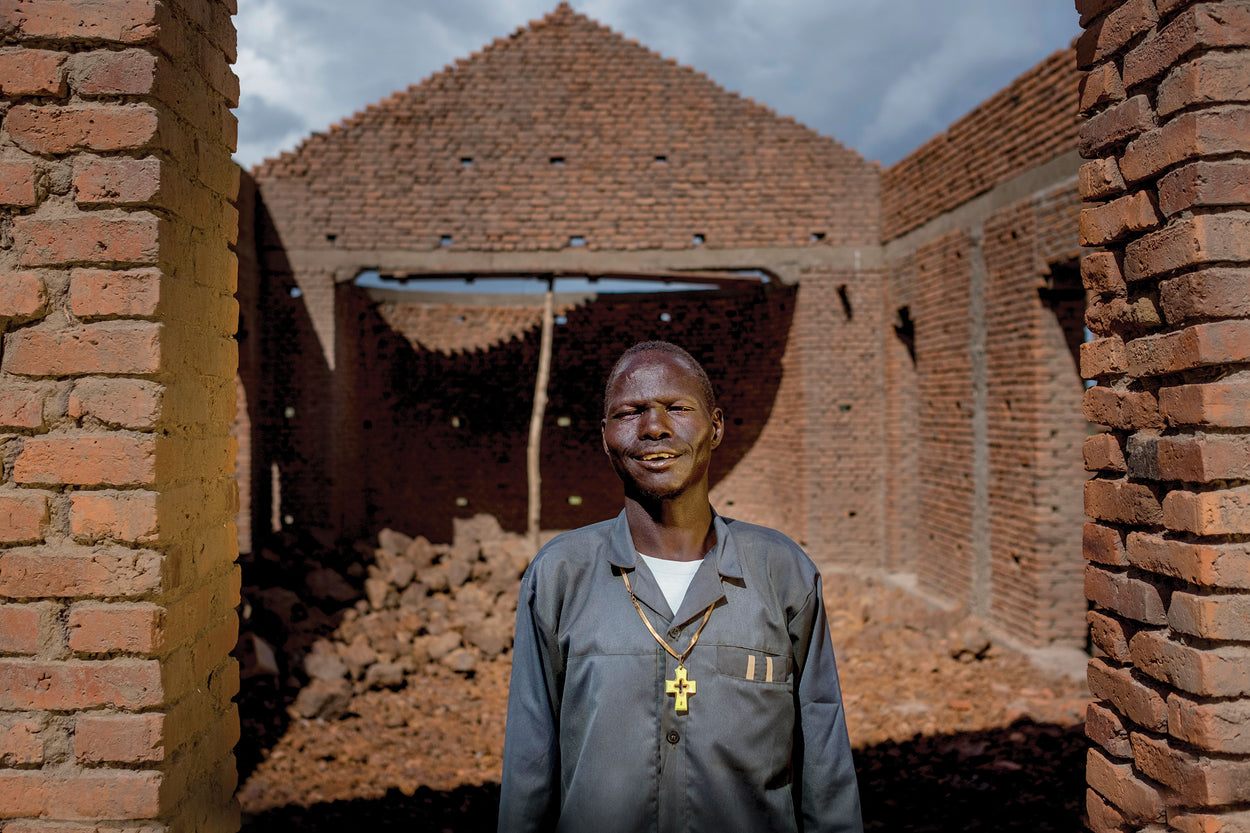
x,y
673,577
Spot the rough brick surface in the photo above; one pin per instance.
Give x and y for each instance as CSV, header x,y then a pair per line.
x,y
106,347
1211,672
1134,797
1220,292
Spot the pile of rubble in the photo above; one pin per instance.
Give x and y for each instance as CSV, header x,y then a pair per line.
x,y
386,618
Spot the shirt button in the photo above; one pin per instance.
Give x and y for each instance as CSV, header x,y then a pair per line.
x,y
673,737
673,633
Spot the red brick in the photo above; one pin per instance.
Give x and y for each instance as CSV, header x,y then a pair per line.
x,y
1090,9
1213,78
21,628
1194,241
100,180
1102,545
22,295
1118,501
1201,345
61,572
1102,817
100,794
1206,565
1115,126
1138,801
66,686
129,403
104,292
1222,671
1196,779
17,182
1196,821
1206,183
1119,316
1219,726
76,458
1127,411
23,515
32,72
1128,597
123,516
21,742
125,21
105,72
1112,33
119,738
1100,86
1225,512
1225,616
25,403
1220,404
88,238
1139,701
1103,727
102,628
1102,358
1202,458
1102,452
1100,178
1219,292
1102,272
1187,136
106,347
1202,26
1113,221
52,129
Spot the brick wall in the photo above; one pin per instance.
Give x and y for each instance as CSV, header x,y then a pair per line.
x,y
117,583
1166,135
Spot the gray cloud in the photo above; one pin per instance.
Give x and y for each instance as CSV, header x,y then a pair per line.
x,y
878,75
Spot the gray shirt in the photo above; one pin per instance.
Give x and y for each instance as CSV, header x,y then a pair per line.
x,y
593,742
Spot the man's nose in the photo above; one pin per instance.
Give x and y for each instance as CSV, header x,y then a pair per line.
x,y
655,424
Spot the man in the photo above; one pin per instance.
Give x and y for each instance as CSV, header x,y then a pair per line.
x,y
672,669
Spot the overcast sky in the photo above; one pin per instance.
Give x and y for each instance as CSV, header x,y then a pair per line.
x,y
878,75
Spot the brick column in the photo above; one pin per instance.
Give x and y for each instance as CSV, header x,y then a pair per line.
x,y
1168,139
117,575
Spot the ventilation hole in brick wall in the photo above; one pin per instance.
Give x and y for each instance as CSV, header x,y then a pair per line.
x,y
666,317
817,236
466,161
296,292
905,329
557,161
844,408
368,423
459,319
851,513
288,520
564,422
462,501
577,241
846,302
697,240
661,160
561,320
288,412
575,500
445,240
455,422
330,238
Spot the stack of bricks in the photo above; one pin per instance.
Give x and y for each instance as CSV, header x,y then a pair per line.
x,y
1167,133
117,575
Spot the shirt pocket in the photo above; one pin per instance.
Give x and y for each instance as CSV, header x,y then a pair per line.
x,y
754,665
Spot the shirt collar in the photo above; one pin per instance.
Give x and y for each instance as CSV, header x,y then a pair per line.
x,y
724,553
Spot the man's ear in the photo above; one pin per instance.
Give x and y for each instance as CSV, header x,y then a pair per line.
x,y
718,427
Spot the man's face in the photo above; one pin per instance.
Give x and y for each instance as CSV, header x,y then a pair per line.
x,y
658,430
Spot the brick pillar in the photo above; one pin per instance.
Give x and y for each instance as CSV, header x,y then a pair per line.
x,y
117,575
1168,139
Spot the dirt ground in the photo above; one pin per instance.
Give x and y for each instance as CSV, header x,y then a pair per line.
x,y
951,733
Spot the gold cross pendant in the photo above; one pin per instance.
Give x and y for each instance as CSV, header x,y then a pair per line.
x,y
680,687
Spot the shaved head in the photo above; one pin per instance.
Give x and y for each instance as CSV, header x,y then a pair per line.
x,y
666,347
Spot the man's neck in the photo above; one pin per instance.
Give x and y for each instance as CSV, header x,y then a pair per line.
x,y
677,530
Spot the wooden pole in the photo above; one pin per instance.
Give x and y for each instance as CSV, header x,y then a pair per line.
x,y
533,450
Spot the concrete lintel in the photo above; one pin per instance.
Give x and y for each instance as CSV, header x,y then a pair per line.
x,y
1046,177
787,263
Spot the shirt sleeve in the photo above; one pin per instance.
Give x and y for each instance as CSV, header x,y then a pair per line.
x,y
530,790
826,793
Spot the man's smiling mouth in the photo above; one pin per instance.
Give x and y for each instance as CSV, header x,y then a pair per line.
x,y
657,455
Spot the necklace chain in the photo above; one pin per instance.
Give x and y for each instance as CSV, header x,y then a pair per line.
x,y
681,658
